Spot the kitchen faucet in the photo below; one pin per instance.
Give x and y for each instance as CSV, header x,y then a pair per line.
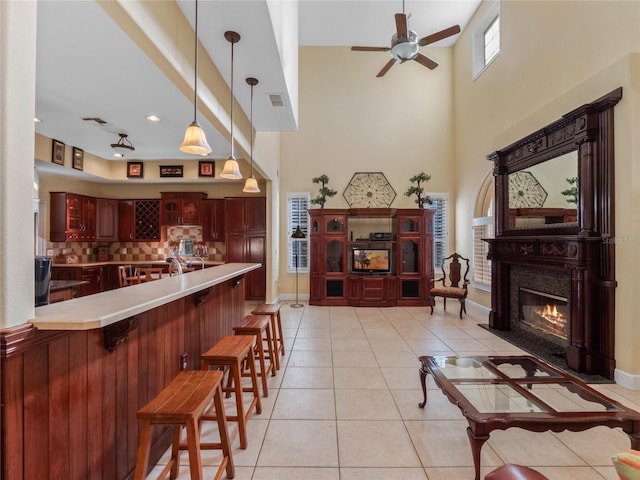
x,y
177,263
201,261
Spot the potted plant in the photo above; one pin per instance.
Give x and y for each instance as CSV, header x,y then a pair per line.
x,y
418,189
572,192
325,192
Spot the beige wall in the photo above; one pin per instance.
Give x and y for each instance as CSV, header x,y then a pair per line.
x,y
350,121
555,56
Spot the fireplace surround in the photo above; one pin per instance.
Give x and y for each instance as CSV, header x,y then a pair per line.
x,y
577,257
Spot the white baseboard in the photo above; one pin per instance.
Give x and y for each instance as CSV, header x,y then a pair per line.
x,y
626,380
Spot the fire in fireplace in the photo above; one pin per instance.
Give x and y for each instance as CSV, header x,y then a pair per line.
x,y
544,311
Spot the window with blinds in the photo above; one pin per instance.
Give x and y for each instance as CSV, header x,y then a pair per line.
x,y
440,202
297,216
482,228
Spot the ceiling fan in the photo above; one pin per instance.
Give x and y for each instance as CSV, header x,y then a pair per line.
x,y
405,44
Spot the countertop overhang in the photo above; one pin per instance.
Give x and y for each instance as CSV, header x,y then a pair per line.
x,y
106,308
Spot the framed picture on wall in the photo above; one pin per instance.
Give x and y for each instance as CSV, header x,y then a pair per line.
x,y
171,171
78,158
57,152
205,169
134,170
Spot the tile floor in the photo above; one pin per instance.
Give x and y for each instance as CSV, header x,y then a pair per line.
x,y
343,406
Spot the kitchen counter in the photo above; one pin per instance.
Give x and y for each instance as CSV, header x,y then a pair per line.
x,y
106,308
196,262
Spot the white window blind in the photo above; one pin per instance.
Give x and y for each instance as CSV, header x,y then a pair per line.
x,y
482,228
297,216
492,41
440,227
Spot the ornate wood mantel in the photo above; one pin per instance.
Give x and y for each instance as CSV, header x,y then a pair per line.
x,y
581,248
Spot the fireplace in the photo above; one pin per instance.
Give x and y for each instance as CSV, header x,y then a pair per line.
x,y
543,311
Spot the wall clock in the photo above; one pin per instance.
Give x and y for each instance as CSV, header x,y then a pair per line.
x,y
369,190
525,191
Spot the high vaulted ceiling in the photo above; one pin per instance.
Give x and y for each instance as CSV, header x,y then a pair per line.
x,y
117,62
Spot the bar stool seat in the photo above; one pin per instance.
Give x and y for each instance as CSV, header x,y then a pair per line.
x,y
259,327
230,353
182,404
273,310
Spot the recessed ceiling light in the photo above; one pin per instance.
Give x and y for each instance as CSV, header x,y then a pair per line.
x,y
119,155
37,120
153,118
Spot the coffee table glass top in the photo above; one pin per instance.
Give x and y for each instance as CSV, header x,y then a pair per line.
x,y
514,385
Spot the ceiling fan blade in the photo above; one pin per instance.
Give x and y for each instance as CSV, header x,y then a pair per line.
x,y
401,25
426,61
386,68
370,49
441,35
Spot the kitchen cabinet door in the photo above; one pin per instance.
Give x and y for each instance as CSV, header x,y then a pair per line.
x,y
106,220
213,226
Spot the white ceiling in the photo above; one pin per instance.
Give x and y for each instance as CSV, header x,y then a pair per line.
x,y
87,66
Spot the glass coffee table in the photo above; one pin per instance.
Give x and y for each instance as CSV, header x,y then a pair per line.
x,y
499,392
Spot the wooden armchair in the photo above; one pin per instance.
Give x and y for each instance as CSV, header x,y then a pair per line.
x,y
453,289
126,276
150,274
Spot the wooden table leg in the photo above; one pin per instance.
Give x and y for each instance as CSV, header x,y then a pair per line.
x,y
476,447
635,440
423,379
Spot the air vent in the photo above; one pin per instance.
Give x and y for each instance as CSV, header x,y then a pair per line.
x,y
97,120
277,100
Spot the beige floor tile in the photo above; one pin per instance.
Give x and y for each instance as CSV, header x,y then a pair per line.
x,y
438,406
402,377
381,344
300,443
445,444
570,473
323,344
320,332
365,405
397,359
291,473
382,473
351,344
305,404
310,358
514,446
589,444
455,473
449,332
358,377
355,333
463,345
308,377
346,358
375,444
609,473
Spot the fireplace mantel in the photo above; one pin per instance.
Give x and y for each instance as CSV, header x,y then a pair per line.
x,y
580,248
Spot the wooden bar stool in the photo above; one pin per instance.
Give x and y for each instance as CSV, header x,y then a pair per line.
x,y
273,310
182,404
258,326
230,353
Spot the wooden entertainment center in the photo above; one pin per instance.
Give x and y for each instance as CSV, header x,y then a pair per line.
x,y
400,275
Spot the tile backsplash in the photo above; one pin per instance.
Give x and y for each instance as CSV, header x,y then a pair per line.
x,y
87,252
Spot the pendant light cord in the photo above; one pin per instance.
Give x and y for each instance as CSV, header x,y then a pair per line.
x,y
232,100
251,131
195,76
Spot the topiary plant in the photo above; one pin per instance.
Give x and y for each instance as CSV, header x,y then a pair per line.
x,y
418,190
571,193
324,191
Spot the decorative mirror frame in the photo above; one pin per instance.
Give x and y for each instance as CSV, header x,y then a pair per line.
x,y
583,130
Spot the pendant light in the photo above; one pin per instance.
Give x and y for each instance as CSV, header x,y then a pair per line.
x,y
195,141
231,169
251,185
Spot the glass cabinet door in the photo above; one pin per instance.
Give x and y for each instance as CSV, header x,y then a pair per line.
x,y
335,256
409,225
335,225
410,256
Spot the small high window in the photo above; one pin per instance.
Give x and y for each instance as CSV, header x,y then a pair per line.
x,y
486,40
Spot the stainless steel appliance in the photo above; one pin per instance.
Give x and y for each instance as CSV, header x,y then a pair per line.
x,y
43,280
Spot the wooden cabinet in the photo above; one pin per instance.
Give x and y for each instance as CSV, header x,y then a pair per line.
x,y
245,238
94,275
72,217
181,208
106,220
213,226
406,234
138,220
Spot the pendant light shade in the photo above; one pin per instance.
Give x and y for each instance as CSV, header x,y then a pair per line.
x,y
251,185
231,169
195,141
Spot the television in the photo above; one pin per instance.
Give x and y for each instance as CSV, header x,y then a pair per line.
x,y
371,260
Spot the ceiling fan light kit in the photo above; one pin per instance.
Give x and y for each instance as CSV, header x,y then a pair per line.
x,y
231,169
251,185
195,141
405,44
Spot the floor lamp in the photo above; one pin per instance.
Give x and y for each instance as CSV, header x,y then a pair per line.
x,y
297,236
